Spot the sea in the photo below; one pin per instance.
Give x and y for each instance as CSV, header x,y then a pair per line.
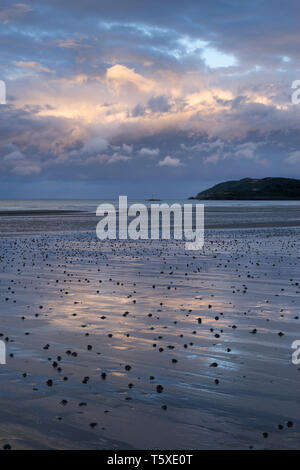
x,y
91,205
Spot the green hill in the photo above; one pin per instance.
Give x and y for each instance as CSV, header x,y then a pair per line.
x,y
254,189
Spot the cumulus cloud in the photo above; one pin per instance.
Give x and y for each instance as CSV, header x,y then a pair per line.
x,y
169,161
148,152
121,76
246,150
95,145
115,158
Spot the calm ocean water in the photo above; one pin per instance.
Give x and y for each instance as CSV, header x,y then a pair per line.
x,y
91,204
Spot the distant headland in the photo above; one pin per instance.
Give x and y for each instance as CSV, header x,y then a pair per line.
x,y
254,189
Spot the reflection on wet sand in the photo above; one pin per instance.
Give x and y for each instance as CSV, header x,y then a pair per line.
x,y
145,345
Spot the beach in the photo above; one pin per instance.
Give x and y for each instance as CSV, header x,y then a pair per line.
x,y
144,345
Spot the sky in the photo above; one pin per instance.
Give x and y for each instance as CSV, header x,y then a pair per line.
x,y
146,98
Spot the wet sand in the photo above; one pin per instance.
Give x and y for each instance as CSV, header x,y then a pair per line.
x,y
16,222
143,345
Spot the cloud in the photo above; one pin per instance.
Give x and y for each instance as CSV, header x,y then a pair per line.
x,y
33,66
293,158
90,96
138,110
121,76
13,156
246,150
13,13
95,145
127,148
26,170
115,158
17,163
159,104
214,158
169,161
148,152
